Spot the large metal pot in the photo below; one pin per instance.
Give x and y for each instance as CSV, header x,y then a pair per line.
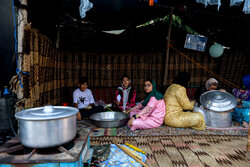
x,y
218,107
109,119
47,126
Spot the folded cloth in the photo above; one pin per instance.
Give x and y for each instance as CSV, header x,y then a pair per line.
x,y
118,158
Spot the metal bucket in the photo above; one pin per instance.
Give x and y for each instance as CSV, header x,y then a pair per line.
x,y
109,119
218,119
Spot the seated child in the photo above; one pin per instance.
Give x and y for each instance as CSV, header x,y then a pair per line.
x,y
84,100
125,95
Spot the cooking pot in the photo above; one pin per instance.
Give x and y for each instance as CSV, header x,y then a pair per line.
x,y
218,108
47,126
109,119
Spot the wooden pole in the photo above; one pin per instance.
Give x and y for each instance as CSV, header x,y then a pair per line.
x,y
22,21
168,43
131,155
248,141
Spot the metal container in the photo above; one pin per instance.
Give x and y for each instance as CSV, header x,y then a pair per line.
x,y
47,126
109,119
218,107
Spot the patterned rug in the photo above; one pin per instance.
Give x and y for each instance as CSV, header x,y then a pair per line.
x,y
104,132
161,131
166,130
186,150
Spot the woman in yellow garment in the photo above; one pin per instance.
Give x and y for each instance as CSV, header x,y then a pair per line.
x,y
176,101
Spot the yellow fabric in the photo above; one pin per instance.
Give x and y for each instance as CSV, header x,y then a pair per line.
x,y
176,101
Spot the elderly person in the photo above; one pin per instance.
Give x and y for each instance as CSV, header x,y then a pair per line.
x,y
176,101
151,111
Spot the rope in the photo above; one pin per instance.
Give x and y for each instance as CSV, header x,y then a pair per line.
x,y
207,70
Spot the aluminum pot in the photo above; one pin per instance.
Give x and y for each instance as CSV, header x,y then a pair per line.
x,y
218,107
218,119
47,126
109,119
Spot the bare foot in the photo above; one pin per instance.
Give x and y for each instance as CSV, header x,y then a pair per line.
x,y
245,124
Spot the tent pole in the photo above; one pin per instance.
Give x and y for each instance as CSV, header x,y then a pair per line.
x,y
168,43
248,142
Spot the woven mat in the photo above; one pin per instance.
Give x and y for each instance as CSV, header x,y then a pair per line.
x,y
186,150
160,131
103,132
166,130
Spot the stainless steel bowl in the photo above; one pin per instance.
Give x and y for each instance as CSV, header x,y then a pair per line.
x,y
109,119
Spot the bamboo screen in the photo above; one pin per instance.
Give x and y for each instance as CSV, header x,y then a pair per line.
x,y
52,71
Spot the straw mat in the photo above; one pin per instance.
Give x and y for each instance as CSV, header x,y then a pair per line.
x,y
186,150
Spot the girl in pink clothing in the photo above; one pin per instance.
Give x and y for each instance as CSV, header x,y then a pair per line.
x,y
125,94
150,112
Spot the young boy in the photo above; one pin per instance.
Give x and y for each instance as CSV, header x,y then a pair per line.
x,y
84,100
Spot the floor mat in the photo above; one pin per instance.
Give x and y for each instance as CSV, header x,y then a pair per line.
x,y
186,150
166,130
161,131
103,132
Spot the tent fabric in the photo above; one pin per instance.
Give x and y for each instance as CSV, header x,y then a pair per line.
x,y
52,70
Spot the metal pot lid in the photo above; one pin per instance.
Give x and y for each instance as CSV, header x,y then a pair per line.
x,y
46,113
218,101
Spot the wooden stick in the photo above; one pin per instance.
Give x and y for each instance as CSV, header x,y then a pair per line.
x,y
127,149
132,155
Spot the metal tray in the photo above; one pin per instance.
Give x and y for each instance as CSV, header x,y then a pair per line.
x,y
109,119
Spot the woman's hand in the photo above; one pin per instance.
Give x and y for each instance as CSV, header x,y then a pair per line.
x,y
128,111
117,103
193,101
223,90
130,122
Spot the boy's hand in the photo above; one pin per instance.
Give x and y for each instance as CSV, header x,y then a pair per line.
x,y
79,117
88,107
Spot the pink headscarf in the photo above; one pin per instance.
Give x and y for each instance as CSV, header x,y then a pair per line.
x,y
210,82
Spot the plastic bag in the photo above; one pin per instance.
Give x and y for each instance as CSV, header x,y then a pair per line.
x,y
84,7
202,1
214,2
246,8
210,2
235,2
